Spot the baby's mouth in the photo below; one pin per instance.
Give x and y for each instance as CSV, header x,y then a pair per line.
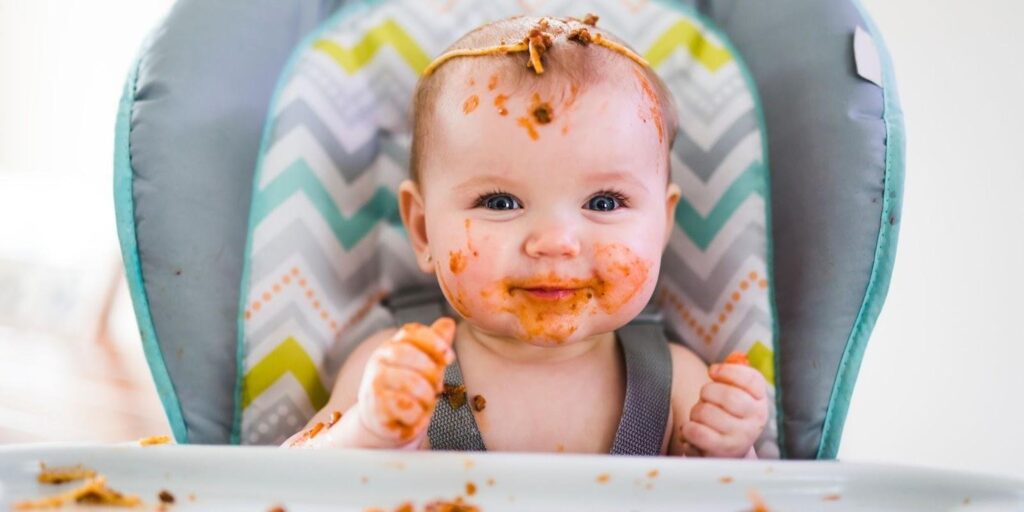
x,y
550,293
557,290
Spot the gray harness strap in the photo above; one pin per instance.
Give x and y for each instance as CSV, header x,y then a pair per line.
x,y
648,384
648,389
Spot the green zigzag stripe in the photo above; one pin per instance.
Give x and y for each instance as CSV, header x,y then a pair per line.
x,y
688,35
287,357
763,360
388,32
703,230
349,231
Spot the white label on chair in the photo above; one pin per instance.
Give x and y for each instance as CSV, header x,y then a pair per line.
x,y
869,66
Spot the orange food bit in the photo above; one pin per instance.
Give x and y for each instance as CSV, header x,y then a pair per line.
x,y
316,429
737,358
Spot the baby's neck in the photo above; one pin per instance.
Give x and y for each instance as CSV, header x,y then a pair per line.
x,y
517,351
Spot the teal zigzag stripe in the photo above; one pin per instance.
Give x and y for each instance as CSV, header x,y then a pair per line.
x,y
349,231
703,230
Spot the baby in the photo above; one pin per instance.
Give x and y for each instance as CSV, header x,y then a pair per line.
x,y
540,198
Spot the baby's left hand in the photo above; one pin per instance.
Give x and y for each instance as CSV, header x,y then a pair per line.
x,y
731,413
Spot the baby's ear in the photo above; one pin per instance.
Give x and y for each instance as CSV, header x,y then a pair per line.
x,y
410,207
672,194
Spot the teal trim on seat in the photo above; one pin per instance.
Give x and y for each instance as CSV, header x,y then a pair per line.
x,y
885,253
254,212
124,212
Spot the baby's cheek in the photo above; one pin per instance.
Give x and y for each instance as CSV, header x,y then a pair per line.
x,y
621,274
465,272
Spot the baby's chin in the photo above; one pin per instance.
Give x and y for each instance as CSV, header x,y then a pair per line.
x,y
546,334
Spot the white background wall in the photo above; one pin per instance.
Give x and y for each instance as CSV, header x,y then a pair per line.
x,y
942,378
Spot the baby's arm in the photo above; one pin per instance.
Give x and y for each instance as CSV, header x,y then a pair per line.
x,y
385,392
718,411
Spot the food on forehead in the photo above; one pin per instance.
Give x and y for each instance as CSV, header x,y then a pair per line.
x,y
470,104
538,41
541,110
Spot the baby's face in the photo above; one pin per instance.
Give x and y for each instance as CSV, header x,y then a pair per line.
x,y
546,232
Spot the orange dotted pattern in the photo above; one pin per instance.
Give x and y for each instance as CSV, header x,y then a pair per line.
x,y
295,277
707,333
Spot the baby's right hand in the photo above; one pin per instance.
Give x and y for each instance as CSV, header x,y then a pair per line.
x,y
402,379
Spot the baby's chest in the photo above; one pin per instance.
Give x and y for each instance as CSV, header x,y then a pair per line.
x,y
546,413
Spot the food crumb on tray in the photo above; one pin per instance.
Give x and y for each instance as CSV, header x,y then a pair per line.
x,y
63,474
93,491
154,440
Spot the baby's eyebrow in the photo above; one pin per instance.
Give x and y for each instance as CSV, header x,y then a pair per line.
x,y
606,176
493,180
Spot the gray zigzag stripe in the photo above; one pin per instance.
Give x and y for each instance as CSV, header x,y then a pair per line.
x,y
301,315
704,163
397,152
754,315
270,258
379,83
701,100
350,165
705,292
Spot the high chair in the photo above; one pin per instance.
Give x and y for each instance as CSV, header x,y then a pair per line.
x,y
260,143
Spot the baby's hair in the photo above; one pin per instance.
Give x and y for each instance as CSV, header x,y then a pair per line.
x,y
542,54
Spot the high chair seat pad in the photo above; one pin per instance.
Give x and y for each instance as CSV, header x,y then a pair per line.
x,y
326,244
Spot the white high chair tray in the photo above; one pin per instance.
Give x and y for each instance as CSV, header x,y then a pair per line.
x,y
259,478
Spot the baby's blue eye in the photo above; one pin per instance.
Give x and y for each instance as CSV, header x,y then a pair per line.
x,y
603,203
501,202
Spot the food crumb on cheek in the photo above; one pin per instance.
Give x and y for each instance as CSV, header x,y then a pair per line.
x,y
470,104
456,261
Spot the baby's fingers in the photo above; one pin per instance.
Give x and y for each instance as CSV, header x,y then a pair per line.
x,y
408,356
408,382
743,377
445,328
437,346
734,401
714,417
702,437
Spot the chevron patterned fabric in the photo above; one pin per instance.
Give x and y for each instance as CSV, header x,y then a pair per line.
x,y
326,243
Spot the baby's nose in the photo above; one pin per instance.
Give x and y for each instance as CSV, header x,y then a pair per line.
x,y
553,241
